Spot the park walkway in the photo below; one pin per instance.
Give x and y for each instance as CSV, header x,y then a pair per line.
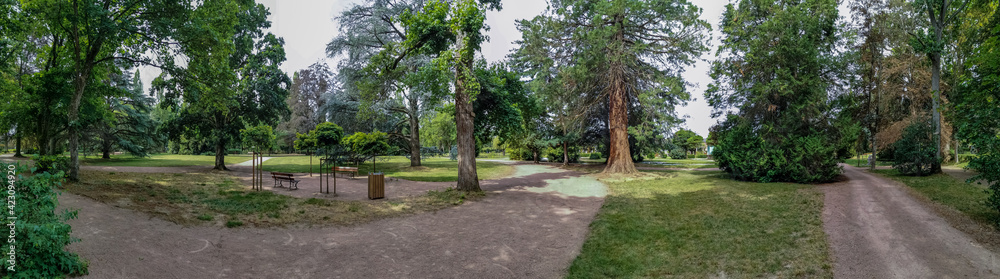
x,y
878,230
531,225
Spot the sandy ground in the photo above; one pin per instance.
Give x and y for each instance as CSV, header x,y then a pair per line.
x,y
877,229
532,225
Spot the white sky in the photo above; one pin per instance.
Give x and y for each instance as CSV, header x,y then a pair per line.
x,y
308,25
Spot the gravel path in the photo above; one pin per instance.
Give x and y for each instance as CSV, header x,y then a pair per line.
x,y
530,226
877,230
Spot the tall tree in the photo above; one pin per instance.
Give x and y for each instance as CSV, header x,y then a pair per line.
x,y
306,98
625,54
941,15
453,32
231,78
385,78
976,109
777,70
98,32
128,124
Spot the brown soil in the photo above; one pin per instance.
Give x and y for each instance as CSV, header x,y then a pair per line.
x,y
516,232
878,230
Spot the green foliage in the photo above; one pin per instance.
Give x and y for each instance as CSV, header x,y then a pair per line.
x,y
749,156
555,154
41,235
595,156
776,66
976,107
51,163
259,138
328,135
453,154
306,142
914,152
678,154
369,144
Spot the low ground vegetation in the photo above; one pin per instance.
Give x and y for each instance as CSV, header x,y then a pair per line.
x,y
432,169
705,225
218,199
968,198
160,160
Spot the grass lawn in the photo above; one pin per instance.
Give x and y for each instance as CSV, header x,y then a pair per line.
x,y
944,189
217,199
434,169
854,161
686,224
678,163
160,160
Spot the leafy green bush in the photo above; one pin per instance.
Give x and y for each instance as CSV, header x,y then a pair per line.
x,y
234,151
678,153
915,150
208,153
41,235
747,156
595,156
556,155
51,163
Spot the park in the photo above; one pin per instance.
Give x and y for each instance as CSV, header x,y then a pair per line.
x,y
500,139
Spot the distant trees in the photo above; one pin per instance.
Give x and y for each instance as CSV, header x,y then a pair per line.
x,y
307,97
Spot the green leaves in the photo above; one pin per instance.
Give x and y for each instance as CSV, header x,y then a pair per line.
x,y
775,69
327,134
370,144
41,234
258,138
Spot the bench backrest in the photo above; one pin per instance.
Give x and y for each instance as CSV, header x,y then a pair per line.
x,y
346,168
277,174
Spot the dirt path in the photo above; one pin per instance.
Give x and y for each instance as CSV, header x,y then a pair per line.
x,y
877,230
530,226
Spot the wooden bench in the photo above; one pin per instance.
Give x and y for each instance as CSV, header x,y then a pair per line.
x,y
352,170
281,177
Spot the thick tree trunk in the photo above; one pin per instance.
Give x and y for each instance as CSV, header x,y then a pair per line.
x,y
220,155
468,179
936,114
619,159
105,147
414,134
535,152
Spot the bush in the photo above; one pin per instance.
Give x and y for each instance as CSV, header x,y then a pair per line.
x,y
747,156
233,151
595,156
914,152
677,154
41,235
453,155
556,155
51,163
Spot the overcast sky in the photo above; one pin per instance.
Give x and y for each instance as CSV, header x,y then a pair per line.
x,y
307,25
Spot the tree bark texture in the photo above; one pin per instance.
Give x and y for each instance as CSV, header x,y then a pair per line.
x,y
619,159
220,155
468,179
